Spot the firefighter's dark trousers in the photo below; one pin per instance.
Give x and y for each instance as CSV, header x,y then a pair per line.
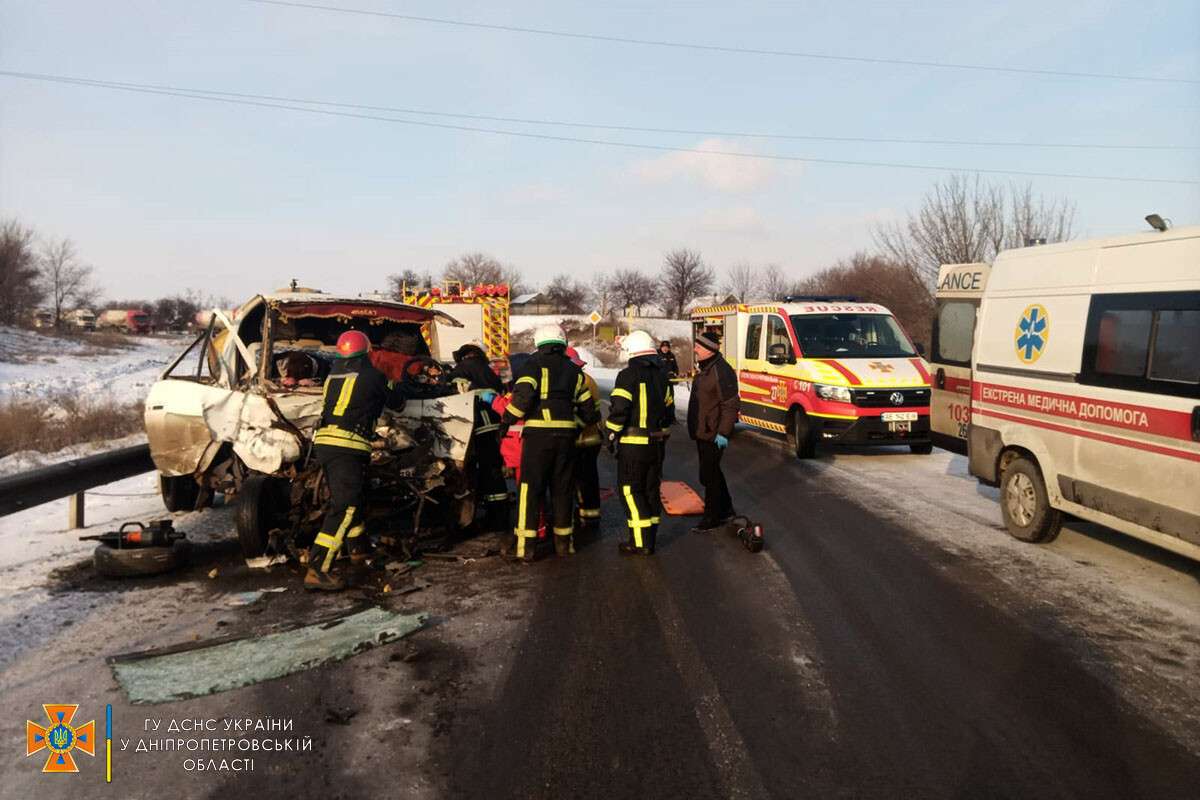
x,y
639,479
587,483
491,490
547,466
346,475
718,505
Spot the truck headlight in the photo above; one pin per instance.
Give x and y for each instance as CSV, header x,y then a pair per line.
x,y
839,394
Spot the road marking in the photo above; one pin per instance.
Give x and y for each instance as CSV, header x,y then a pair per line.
x,y
735,770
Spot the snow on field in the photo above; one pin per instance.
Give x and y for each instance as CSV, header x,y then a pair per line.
x,y
73,367
658,328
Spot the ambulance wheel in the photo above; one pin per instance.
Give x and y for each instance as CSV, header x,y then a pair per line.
x,y
260,503
1025,504
801,435
921,449
179,492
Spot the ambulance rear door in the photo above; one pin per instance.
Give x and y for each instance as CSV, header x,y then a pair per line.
x,y
959,290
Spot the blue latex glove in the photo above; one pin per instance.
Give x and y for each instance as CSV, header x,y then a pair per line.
x,y
721,441
487,396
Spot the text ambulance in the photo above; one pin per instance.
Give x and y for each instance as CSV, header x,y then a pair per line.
x,y
824,369
1085,386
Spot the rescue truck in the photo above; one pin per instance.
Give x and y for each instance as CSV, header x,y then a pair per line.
x,y
824,370
1084,385
483,311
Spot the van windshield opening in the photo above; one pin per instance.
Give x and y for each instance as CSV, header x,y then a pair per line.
x,y
850,336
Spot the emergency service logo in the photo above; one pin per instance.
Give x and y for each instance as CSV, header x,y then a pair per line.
x,y
61,738
1033,333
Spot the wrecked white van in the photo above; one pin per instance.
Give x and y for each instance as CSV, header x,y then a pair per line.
x,y
225,418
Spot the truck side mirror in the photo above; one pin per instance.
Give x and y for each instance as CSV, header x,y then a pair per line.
x,y
920,349
780,353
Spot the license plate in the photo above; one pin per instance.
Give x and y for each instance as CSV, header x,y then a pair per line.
x,y
899,416
900,427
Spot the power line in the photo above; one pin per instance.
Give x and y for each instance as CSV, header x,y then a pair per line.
x,y
726,49
610,126
603,142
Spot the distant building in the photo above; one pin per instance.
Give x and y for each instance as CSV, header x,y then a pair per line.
x,y
710,300
532,303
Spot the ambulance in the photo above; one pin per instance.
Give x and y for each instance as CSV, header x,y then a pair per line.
x,y
824,370
1084,385
959,292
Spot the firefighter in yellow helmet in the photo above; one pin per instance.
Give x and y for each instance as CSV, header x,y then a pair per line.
x,y
551,397
641,413
587,453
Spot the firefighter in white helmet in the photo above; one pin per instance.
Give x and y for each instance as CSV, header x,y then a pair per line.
x,y
641,413
552,398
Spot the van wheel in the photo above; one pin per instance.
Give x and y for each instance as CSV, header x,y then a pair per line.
x,y
1025,505
801,435
260,507
179,492
922,449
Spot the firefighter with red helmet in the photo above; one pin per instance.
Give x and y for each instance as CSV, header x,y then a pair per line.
x,y
641,413
355,395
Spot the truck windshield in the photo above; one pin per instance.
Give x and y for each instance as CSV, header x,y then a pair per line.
x,y
851,335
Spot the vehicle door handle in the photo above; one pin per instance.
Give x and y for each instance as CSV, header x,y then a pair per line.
x,y
1196,424
940,378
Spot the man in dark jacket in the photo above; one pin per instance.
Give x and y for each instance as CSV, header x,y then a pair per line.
x,y
355,395
670,364
712,413
472,372
551,397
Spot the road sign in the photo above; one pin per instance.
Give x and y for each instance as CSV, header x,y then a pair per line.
x,y
595,317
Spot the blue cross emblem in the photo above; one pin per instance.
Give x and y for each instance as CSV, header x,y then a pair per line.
x,y
1032,333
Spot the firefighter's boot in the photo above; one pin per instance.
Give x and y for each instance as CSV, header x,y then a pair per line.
x,y
496,518
564,544
630,548
316,579
521,549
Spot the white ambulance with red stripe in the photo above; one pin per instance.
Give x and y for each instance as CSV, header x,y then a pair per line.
x,y
1085,386
824,370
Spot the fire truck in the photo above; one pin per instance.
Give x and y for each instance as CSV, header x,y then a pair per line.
x,y
482,309
824,370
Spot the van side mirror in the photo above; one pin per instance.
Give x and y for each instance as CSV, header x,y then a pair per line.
x,y
920,349
780,353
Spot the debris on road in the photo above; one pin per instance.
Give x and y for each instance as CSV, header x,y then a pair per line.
x,y
214,572
246,598
340,716
202,668
263,562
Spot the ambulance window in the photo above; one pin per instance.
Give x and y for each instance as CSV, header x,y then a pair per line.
x,y
777,333
953,331
754,337
1176,353
1123,342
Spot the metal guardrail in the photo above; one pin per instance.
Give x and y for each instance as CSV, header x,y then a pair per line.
x,y
29,489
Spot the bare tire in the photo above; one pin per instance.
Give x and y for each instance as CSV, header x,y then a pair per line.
x,y
132,562
1025,504
179,492
260,505
801,435
921,449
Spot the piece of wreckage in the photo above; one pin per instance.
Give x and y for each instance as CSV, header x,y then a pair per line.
x,y
236,412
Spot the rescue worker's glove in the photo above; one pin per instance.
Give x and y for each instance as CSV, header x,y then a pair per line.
x,y
721,442
487,396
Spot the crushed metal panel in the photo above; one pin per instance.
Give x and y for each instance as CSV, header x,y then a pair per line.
x,y
447,421
179,438
248,421
194,671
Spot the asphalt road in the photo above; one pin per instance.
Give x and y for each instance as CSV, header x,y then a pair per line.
x,y
849,659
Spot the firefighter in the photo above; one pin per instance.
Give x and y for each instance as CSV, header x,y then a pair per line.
x,y
587,453
355,394
641,412
472,372
669,362
552,398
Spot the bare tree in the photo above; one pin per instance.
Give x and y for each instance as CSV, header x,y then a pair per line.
x,y
741,281
684,278
66,281
20,291
406,278
964,219
632,288
773,282
602,292
566,294
473,268
511,277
